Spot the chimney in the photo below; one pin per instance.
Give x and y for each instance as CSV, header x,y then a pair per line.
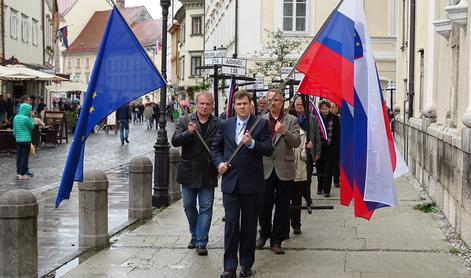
x,y
120,4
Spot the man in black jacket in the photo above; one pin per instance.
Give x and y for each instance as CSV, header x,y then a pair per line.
x,y
123,114
196,172
241,183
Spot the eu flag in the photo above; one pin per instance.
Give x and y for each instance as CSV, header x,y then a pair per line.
x,y
122,72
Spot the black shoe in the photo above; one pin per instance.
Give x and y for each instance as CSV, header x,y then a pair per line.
x,y
327,195
319,192
336,184
192,244
260,242
246,271
223,219
28,173
127,141
228,274
297,231
277,249
202,251
122,143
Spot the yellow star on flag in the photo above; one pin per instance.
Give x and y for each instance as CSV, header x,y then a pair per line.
x,y
91,109
94,95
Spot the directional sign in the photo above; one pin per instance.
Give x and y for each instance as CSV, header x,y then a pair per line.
x,y
284,71
214,53
234,62
212,61
232,70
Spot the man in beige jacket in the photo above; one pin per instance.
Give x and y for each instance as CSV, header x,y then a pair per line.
x,y
279,171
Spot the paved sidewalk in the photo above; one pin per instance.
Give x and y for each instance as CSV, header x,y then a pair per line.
x,y
397,243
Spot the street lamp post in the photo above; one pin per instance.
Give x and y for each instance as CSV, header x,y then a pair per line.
x,y
391,88
162,148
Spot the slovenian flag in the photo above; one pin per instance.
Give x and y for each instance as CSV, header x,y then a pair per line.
x,y
317,114
339,65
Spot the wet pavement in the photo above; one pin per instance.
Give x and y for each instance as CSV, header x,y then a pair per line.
x,y
58,228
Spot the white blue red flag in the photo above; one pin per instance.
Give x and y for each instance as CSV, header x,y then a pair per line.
x,y
339,65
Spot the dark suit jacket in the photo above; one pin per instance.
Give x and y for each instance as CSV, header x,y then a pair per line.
x,y
196,168
247,165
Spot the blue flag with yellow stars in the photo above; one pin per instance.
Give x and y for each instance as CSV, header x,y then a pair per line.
x,y
122,73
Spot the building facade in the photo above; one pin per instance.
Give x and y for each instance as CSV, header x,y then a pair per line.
x,y
297,19
187,40
434,102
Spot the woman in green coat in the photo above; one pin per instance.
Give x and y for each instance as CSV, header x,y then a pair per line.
x,y
22,127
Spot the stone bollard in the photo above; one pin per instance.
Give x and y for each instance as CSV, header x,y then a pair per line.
x,y
174,188
93,209
140,188
18,234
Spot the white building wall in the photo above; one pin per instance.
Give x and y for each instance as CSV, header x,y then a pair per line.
x,y
25,41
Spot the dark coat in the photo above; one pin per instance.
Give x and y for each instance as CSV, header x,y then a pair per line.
x,y
331,151
247,166
123,113
196,169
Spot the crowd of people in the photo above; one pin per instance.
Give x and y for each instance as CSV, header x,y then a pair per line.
x,y
271,171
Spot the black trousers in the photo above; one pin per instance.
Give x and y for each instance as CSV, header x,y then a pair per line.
x,y
307,188
337,172
278,194
296,200
240,228
325,171
22,157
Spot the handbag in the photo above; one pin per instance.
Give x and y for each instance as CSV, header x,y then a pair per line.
x,y
32,150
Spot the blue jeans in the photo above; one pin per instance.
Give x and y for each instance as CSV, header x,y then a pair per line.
x,y
22,156
123,130
199,221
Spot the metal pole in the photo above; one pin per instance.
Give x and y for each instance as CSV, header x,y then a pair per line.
x,y
411,93
215,91
162,148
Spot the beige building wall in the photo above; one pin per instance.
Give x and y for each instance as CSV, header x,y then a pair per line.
x,y
436,138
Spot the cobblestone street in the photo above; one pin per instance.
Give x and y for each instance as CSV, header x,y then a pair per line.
x,y
58,228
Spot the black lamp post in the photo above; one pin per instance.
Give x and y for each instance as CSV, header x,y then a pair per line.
x,y
161,165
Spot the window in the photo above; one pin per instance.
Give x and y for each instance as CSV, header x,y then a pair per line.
x,y
294,15
78,63
25,27
87,62
77,77
196,25
14,22
87,78
195,62
35,32
69,63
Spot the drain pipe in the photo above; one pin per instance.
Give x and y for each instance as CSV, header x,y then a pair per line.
x,y
236,35
411,59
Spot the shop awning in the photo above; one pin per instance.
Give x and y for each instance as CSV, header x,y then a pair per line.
x,y
67,86
20,73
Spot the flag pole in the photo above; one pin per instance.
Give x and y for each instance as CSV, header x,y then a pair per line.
x,y
283,84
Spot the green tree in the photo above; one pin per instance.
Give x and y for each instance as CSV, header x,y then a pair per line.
x,y
278,52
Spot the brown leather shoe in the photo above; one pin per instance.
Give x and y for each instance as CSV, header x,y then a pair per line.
x,y
277,249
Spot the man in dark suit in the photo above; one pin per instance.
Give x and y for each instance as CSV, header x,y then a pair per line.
x,y
241,183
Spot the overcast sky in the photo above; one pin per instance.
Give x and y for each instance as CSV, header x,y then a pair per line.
x,y
153,6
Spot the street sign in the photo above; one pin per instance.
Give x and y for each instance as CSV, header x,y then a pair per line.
x,y
284,71
241,63
212,61
232,70
259,83
214,53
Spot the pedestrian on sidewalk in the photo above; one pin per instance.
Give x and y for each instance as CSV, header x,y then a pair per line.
x,y
149,115
330,149
123,114
241,183
303,157
334,109
22,127
196,172
279,171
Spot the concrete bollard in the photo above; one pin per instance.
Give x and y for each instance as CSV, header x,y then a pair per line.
x,y
18,234
174,188
93,209
140,188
